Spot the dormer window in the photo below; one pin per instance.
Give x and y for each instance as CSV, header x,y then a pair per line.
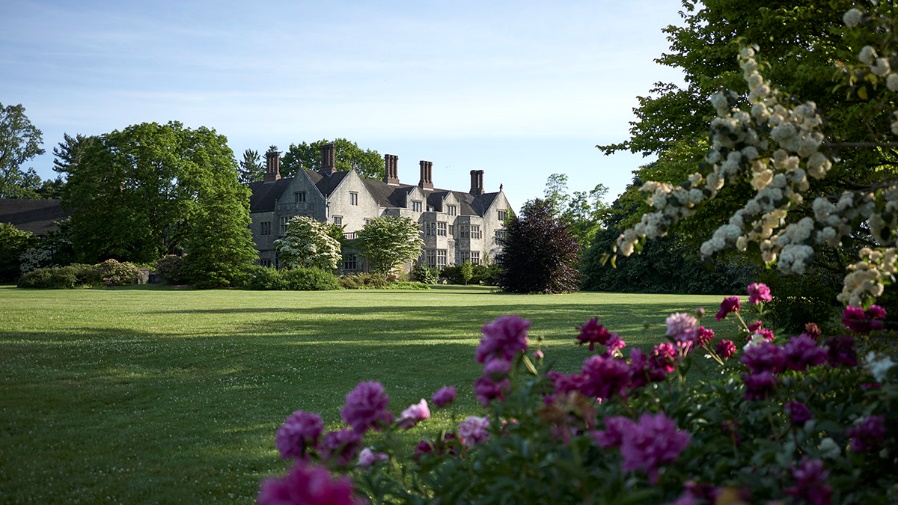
x,y
300,196
416,205
452,210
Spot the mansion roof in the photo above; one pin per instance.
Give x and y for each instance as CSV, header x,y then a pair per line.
x,y
37,216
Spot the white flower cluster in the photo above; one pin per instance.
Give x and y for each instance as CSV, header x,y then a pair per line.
x,y
866,279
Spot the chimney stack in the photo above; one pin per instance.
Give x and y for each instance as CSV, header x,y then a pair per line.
x,y
391,170
272,166
476,182
426,182
328,163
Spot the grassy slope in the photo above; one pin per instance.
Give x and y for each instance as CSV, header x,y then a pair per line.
x,y
174,396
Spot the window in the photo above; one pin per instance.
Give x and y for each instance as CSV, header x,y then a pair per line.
x,y
441,229
416,206
472,257
500,234
452,231
452,210
367,221
265,228
430,229
300,196
475,231
265,262
469,231
284,224
353,198
501,215
430,208
350,263
338,220
441,258
475,257
430,258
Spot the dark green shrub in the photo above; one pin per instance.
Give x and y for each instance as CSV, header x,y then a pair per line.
x,y
85,275
114,273
309,279
172,268
49,278
481,274
425,274
363,281
264,278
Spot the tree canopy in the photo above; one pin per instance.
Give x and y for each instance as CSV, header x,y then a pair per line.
x,y
19,142
251,168
389,241
348,156
308,243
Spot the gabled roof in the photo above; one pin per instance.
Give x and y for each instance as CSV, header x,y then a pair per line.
x,y
265,194
326,184
37,216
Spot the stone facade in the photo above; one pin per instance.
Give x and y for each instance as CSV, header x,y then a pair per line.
x,y
456,226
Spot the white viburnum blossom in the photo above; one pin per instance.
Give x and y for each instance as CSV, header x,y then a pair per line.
x,y
852,18
892,82
867,55
881,67
878,366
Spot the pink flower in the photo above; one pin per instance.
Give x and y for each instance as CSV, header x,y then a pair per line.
x,y
565,383
759,385
758,293
764,357
681,326
444,396
615,429
486,390
812,330
725,349
704,336
306,484
593,333
366,407
730,304
604,377
868,434
810,483
473,430
663,360
299,433
614,343
341,447
840,351
368,457
505,337
755,326
861,321
655,441
496,368
414,414
798,413
639,369
802,353
538,354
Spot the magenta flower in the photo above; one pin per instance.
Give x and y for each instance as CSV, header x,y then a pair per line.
x,y
730,304
486,389
759,385
615,429
764,357
755,326
858,320
798,413
414,414
655,441
802,353
639,369
496,368
704,336
298,434
812,330
366,407
758,293
868,434
505,337
810,483
663,360
725,349
564,383
593,333
681,326
444,396
614,343
306,484
473,430
604,377
341,447
368,457
841,352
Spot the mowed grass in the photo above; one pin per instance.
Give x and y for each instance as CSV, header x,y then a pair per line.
x,y
157,395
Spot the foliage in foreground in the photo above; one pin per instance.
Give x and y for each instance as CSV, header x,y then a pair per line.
x,y
801,419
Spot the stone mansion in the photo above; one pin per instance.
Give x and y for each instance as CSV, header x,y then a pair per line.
x,y
456,226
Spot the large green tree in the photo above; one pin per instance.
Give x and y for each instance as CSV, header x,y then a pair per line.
x,y
389,241
251,168
19,142
13,242
136,194
582,211
347,155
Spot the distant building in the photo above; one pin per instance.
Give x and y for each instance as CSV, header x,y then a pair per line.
x,y
37,216
456,226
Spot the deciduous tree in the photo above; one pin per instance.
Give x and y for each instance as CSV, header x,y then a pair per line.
x,y
348,156
389,241
19,142
308,243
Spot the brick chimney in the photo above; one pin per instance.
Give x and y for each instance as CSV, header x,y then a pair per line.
x,y
272,166
391,169
426,182
476,182
328,163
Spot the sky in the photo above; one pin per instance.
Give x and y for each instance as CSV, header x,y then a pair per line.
x,y
519,89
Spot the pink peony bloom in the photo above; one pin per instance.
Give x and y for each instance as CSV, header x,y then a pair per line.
x,y
486,390
615,429
341,447
655,441
810,483
639,369
473,430
663,360
614,343
681,326
444,396
861,321
298,434
764,357
730,304
759,385
802,353
414,414
593,333
564,383
496,368
755,326
604,377
306,484
366,407
505,337
538,354
758,293
868,434
812,330
841,352
704,336
798,413
368,457
725,349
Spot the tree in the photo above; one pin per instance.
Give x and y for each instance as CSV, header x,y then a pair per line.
x,y
309,243
556,193
539,254
389,241
13,243
467,271
348,156
135,194
583,211
19,142
251,168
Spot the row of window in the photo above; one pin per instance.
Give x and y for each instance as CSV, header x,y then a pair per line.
x,y
417,205
436,258
431,229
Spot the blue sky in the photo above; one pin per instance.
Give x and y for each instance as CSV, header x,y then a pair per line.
x,y
518,89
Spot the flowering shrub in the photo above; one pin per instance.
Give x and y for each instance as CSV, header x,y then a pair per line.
x,y
114,273
756,417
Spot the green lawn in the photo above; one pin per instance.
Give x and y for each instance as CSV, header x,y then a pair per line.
x,y
148,394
